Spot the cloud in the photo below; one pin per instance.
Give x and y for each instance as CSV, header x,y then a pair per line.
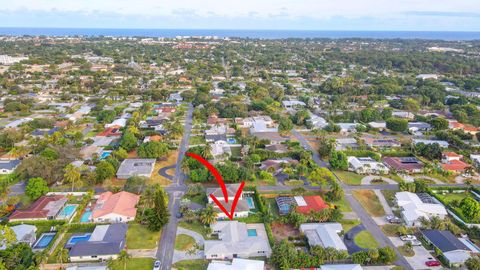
x,y
444,14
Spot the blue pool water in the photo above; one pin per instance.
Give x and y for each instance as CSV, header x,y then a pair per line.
x,y
78,238
67,211
231,140
250,203
86,216
251,232
44,240
105,154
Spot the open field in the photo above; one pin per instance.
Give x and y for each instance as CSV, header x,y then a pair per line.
x,y
370,202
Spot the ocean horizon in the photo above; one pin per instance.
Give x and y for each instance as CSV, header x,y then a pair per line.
x,y
240,33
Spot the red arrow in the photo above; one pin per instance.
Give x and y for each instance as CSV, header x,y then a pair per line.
x,y
219,179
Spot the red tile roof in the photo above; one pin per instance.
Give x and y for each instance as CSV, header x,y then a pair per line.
x,y
122,203
455,165
111,131
38,210
314,203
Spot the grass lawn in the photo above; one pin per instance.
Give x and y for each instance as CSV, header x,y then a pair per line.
x,y
406,252
191,265
157,178
134,264
184,242
139,237
349,178
236,151
370,202
199,198
194,226
449,197
343,205
389,196
194,140
390,229
349,224
365,240
294,183
395,177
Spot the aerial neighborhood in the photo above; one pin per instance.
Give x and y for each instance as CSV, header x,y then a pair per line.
x,y
354,153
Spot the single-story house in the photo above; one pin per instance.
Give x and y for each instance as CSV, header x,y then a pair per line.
x,y
242,208
366,165
119,123
105,243
404,164
378,125
307,204
275,165
277,148
290,104
345,143
324,234
347,127
451,161
382,143
220,149
476,160
273,137
24,233
45,208
341,267
418,126
443,144
317,121
237,240
118,207
453,250
237,264
413,208
8,166
402,114
135,167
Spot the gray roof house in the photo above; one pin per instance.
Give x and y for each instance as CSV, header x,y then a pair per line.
x,y
8,166
238,239
105,242
135,167
323,234
24,233
453,250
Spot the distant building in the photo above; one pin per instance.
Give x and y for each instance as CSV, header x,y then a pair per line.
x,y
404,164
443,144
8,166
451,161
366,165
378,125
427,76
346,143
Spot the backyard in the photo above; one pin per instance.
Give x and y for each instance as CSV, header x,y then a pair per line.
x,y
191,265
133,264
184,242
139,237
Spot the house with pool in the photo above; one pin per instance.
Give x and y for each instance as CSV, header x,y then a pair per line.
x,y
45,208
118,207
237,240
104,243
244,204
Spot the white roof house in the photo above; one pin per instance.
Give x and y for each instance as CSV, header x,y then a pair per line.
x,y
378,125
413,208
443,144
237,264
24,233
16,123
293,103
324,234
475,159
347,127
220,149
366,165
317,121
239,239
403,114
121,122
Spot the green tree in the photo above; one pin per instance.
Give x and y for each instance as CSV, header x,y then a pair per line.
x,y
7,236
123,258
153,149
208,215
128,141
470,208
439,123
62,256
338,160
320,176
397,124
36,187
72,175
104,170
158,216
473,263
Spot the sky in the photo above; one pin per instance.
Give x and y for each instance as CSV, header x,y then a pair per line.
x,y
408,15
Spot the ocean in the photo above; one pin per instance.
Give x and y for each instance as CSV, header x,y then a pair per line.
x,y
256,34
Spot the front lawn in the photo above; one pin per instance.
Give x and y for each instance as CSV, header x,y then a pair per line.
x,y
194,226
348,224
139,237
191,265
343,205
365,239
370,202
349,178
133,264
184,242
405,251
390,230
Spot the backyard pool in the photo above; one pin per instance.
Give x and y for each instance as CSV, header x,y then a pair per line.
x,y
86,216
105,154
251,204
231,140
67,211
44,240
252,232
77,238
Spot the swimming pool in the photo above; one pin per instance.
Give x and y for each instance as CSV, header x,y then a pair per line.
x,y
44,240
251,204
231,140
86,216
252,232
67,211
105,154
78,238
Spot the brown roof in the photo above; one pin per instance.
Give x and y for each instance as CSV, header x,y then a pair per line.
x,y
123,203
403,163
42,208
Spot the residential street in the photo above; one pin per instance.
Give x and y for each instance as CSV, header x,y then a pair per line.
x,y
175,193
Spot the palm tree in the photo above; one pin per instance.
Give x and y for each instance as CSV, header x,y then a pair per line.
x,y
72,174
206,150
208,215
62,256
123,257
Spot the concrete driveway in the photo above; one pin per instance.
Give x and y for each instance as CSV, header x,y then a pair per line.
x,y
421,255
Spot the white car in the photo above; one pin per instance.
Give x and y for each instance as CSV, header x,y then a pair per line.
x,y
156,265
408,237
415,242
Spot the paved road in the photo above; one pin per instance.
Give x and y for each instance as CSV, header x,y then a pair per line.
x,y
307,146
17,189
163,172
175,193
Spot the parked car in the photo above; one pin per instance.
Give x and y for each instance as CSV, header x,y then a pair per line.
x,y
415,242
432,263
408,237
348,236
395,220
156,265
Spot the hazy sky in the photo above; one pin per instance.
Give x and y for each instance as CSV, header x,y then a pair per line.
x,y
446,15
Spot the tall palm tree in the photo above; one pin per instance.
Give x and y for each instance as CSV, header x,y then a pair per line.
x,y
208,215
206,150
123,257
62,256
